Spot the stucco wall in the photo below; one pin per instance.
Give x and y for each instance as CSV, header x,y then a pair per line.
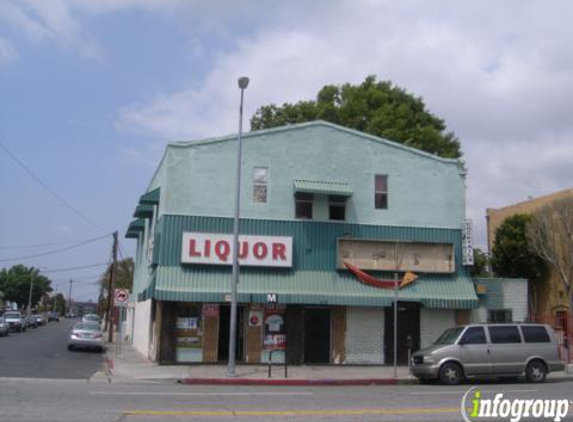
x,y
364,336
502,294
422,190
141,327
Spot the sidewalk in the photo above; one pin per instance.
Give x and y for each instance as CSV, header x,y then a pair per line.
x,y
128,365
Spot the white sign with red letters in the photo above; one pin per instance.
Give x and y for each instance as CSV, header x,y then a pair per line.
x,y
217,249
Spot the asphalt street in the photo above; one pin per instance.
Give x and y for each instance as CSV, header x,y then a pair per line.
x,y
83,401
42,353
41,381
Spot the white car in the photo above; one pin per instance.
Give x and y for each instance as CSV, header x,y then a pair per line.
x,y
4,329
86,335
91,318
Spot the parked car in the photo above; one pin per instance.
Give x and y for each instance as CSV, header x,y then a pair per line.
x,y
31,321
489,350
86,335
40,319
91,318
15,321
4,329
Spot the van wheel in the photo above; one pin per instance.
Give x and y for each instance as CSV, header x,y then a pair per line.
x,y
451,373
536,372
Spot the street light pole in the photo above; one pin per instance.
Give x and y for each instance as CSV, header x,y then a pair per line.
x,y
243,83
30,295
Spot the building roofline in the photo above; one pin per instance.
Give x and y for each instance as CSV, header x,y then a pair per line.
x,y
528,201
297,126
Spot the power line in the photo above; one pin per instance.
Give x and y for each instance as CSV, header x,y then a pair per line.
x,y
54,194
40,245
56,250
58,270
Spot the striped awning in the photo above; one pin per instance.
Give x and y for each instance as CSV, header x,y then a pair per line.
x,y
150,198
143,211
323,187
135,227
199,284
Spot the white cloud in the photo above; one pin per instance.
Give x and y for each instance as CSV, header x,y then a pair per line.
x,y
500,76
7,52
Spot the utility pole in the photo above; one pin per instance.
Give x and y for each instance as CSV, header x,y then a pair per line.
x,y
70,298
113,273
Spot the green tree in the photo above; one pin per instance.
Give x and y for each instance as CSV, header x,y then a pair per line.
x,y
59,304
511,253
481,264
15,283
378,108
124,280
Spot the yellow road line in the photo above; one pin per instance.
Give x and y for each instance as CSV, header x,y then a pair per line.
x,y
339,412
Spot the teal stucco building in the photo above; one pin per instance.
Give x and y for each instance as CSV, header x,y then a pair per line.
x,y
329,218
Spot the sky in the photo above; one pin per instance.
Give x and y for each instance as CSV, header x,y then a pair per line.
x,y
91,91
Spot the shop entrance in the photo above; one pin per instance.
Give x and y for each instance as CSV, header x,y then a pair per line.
x,y
224,327
408,332
316,335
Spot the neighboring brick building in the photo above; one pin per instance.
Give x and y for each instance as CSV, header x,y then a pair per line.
x,y
549,298
316,197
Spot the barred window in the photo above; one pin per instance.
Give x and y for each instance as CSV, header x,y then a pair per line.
x,y
381,192
260,182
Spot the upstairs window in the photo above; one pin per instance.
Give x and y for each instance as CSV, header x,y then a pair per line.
x,y
336,207
381,192
260,180
303,205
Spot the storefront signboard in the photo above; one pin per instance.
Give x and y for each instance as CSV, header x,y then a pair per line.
x,y
468,243
217,249
210,310
380,255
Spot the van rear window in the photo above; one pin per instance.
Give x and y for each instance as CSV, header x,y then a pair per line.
x,y
504,334
533,334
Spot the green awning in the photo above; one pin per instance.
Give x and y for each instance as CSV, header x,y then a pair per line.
x,y
135,227
323,187
199,284
143,211
150,198
147,293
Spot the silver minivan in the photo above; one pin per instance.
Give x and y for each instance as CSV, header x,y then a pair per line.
x,y
489,350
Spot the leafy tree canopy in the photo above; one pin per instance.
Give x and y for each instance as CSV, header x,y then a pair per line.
x,y
123,280
15,283
378,108
511,254
480,267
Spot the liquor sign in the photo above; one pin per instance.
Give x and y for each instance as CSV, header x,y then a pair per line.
x,y
468,243
217,249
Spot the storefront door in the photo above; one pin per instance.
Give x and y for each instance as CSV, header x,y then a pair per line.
x,y
408,332
317,335
224,327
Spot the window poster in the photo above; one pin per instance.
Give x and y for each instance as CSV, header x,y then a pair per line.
x,y
189,333
274,329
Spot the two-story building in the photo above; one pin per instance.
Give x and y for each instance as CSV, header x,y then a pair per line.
x,y
330,217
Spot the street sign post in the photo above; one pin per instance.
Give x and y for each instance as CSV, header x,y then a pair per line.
x,y
121,298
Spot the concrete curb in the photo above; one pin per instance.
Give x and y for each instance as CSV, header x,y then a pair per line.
x,y
299,382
